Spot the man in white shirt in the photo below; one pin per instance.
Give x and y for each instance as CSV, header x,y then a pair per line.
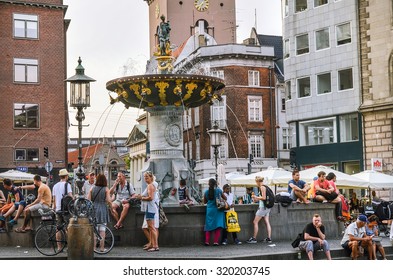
x,y
123,192
59,190
355,238
89,184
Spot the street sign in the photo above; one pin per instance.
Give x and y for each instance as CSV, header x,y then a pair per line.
x,y
22,168
48,166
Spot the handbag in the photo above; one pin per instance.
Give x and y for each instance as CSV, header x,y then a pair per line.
x,y
295,243
232,221
221,203
163,220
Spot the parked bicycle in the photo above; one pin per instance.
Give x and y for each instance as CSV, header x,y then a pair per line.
x,y
51,239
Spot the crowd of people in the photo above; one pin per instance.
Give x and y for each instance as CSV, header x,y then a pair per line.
x,y
113,202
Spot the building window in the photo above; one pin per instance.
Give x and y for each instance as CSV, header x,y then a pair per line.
x,y
253,78
26,115
286,138
288,90
28,154
285,8
343,34
185,150
318,132
303,87
300,5
255,109
283,104
197,149
25,70
318,3
25,26
302,45
218,113
349,128
187,119
322,39
345,79
286,48
256,145
196,116
218,74
324,84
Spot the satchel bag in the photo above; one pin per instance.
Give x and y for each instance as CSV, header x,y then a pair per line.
x,y
221,203
162,217
295,243
232,221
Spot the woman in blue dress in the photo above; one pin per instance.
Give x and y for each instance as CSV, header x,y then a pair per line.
x,y
215,218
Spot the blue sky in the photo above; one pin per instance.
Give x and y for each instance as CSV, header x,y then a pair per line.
x,y
108,36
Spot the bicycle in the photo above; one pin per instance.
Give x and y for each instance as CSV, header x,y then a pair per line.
x,y
51,239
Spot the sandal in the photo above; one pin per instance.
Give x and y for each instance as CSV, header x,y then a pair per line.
x,y
20,230
153,249
146,247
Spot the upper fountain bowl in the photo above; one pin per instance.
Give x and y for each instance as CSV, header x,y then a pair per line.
x,y
166,90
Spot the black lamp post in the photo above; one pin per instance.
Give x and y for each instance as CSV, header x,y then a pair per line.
x,y
215,141
80,99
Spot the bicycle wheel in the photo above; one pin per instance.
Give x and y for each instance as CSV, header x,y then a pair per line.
x,y
103,239
49,241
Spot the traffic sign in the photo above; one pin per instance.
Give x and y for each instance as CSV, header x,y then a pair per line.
x,y
48,166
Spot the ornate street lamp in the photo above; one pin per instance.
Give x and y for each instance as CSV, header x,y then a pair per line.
x,y
80,230
80,99
215,141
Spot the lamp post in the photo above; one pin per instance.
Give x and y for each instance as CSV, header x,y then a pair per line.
x,y
80,99
80,231
215,141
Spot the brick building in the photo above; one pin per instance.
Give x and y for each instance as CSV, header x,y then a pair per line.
x,y
34,111
376,58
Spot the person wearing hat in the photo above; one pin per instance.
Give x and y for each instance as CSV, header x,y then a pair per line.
x,y
61,189
355,239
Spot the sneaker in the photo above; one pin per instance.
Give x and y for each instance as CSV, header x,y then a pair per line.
x,y
3,230
238,242
252,240
12,222
224,242
324,201
2,218
267,240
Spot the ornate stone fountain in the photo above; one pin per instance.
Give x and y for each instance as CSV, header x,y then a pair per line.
x,y
165,96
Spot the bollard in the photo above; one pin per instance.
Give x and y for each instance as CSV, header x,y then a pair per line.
x,y
80,239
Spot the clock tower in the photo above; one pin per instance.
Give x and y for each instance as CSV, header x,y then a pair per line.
x,y
219,19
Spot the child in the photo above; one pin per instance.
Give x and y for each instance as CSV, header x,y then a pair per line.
x,y
231,203
184,198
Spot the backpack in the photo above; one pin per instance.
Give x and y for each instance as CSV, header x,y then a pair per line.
x,y
284,199
269,202
65,200
127,186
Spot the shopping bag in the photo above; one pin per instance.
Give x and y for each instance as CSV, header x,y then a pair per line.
x,y
232,221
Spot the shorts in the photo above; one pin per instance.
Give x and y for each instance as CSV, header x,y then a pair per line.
x,y
37,206
22,203
263,212
149,216
117,202
156,222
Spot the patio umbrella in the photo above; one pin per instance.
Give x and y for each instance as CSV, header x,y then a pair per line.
x,y
270,175
376,179
18,176
343,180
228,176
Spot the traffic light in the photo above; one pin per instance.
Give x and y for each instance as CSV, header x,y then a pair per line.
x,y
46,152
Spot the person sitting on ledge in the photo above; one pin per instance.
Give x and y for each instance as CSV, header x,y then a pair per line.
x,y
184,197
355,239
297,188
314,238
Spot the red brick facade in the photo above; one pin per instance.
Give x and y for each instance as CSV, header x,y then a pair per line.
x,y
49,93
237,92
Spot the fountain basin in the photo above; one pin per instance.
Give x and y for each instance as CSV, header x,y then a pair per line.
x,y
152,90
